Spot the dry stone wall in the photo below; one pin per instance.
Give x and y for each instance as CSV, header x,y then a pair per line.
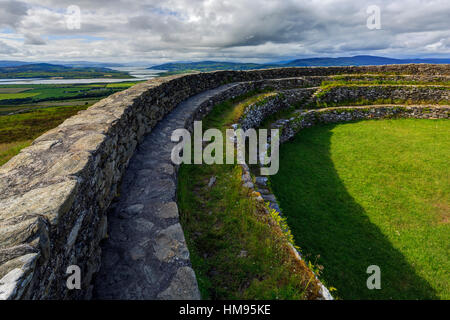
x,y
54,194
381,78
255,114
303,119
289,127
406,94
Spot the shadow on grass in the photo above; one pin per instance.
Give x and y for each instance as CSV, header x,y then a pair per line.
x,y
326,221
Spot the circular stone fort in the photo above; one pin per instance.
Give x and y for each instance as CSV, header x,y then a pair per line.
x,y
100,192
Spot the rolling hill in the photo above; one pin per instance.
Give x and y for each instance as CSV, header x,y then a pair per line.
x,y
308,62
46,70
207,66
358,61
13,63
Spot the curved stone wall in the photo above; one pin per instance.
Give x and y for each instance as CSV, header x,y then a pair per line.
x,y
316,97
290,127
378,78
55,193
303,119
406,94
255,114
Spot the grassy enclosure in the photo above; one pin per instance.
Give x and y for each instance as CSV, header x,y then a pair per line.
x,y
372,193
235,252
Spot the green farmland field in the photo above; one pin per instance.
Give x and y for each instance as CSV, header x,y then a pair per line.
x,y
20,95
27,111
26,94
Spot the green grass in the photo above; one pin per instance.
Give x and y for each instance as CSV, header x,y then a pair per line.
x,y
235,252
57,71
126,84
372,192
42,108
9,150
14,109
17,131
21,95
176,72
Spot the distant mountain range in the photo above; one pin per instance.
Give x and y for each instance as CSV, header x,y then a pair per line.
x,y
309,62
88,69
207,66
46,70
84,64
358,61
7,63
75,64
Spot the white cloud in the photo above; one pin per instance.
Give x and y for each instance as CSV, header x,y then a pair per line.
x,y
6,49
33,39
264,30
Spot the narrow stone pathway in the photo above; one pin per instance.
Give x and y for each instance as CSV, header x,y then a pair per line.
x,y
145,255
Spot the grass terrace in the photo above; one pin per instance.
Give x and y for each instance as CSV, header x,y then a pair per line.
x,y
235,252
372,193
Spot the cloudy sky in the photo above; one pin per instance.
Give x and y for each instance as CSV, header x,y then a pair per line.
x,y
246,30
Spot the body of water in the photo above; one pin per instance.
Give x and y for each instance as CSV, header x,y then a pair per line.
x,y
139,73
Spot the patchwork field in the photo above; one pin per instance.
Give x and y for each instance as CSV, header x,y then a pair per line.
x,y
14,96
28,111
19,130
45,70
235,252
351,191
17,95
